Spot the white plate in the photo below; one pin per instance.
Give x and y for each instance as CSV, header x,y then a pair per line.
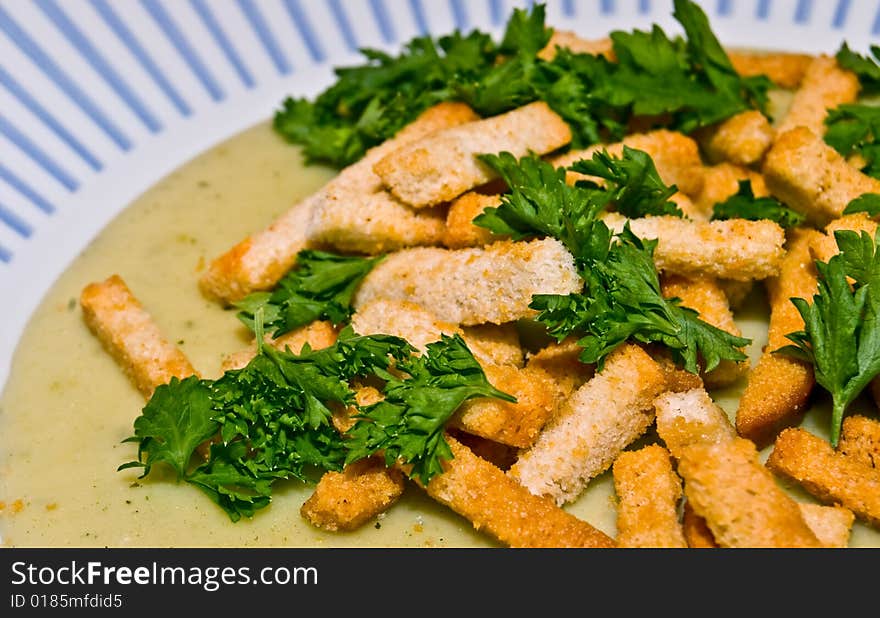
x,y
99,99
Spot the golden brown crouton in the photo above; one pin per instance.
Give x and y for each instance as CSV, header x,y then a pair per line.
x,y
707,298
779,386
741,139
739,498
261,259
571,41
499,455
318,335
860,440
561,363
460,229
695,530
825,85
648,491
130,336
346,500
504,509
495,344
733,249
825,246
785,69
691,417
471,286
829,476
676,157
721,181
405,319
443,165
593,427
811,177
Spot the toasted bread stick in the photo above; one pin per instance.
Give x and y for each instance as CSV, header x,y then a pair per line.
x,y
707,298
675,155
779,387
648,492
561,363
131,336
261,259
696,531
496,344
498,505
460,229
808,175
825,85
593,427
739,498
860,440
346,500
721,181
829,476
734,249
691,417
472,286
785,69
742,139
318,335
442,166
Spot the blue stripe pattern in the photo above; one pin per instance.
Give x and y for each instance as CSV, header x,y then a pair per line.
x,y
344,24
5,254
459,14
15,223
644,6
48,119
61,79
306,31
37,154
496,10
207,16
125,35
802,11
181,44
606,7
763,9
568,8
26,190
724,7
421,20
258,24
97,62
383,20
841,13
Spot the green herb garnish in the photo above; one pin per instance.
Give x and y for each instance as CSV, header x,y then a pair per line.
x,y
744,205
841,335
852,129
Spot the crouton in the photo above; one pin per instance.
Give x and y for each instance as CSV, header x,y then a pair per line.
x,y
131,336
648,492
808,175
261,259
860,440
705,296
830,476
691,417
593,427
721,181
405,319
696,531
778,387
739,498
495,344
318,335
741,139
444,165
825,85
472,286
561,364
785,69
824,246
569,40
734,249
504,509
676,157
346,500
736,291
460,230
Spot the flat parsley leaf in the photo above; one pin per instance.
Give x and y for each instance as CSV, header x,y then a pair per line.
x,y
319,287
841,335
408,424
852,129
867,202
865,67
744,205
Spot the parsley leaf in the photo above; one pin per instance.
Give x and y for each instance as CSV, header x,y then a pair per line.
x,y
320,286
622,301
867,202
841,335
865,67
852,129
408,424
744,205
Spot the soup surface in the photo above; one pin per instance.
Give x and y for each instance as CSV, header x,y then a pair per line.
x,y
68,407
